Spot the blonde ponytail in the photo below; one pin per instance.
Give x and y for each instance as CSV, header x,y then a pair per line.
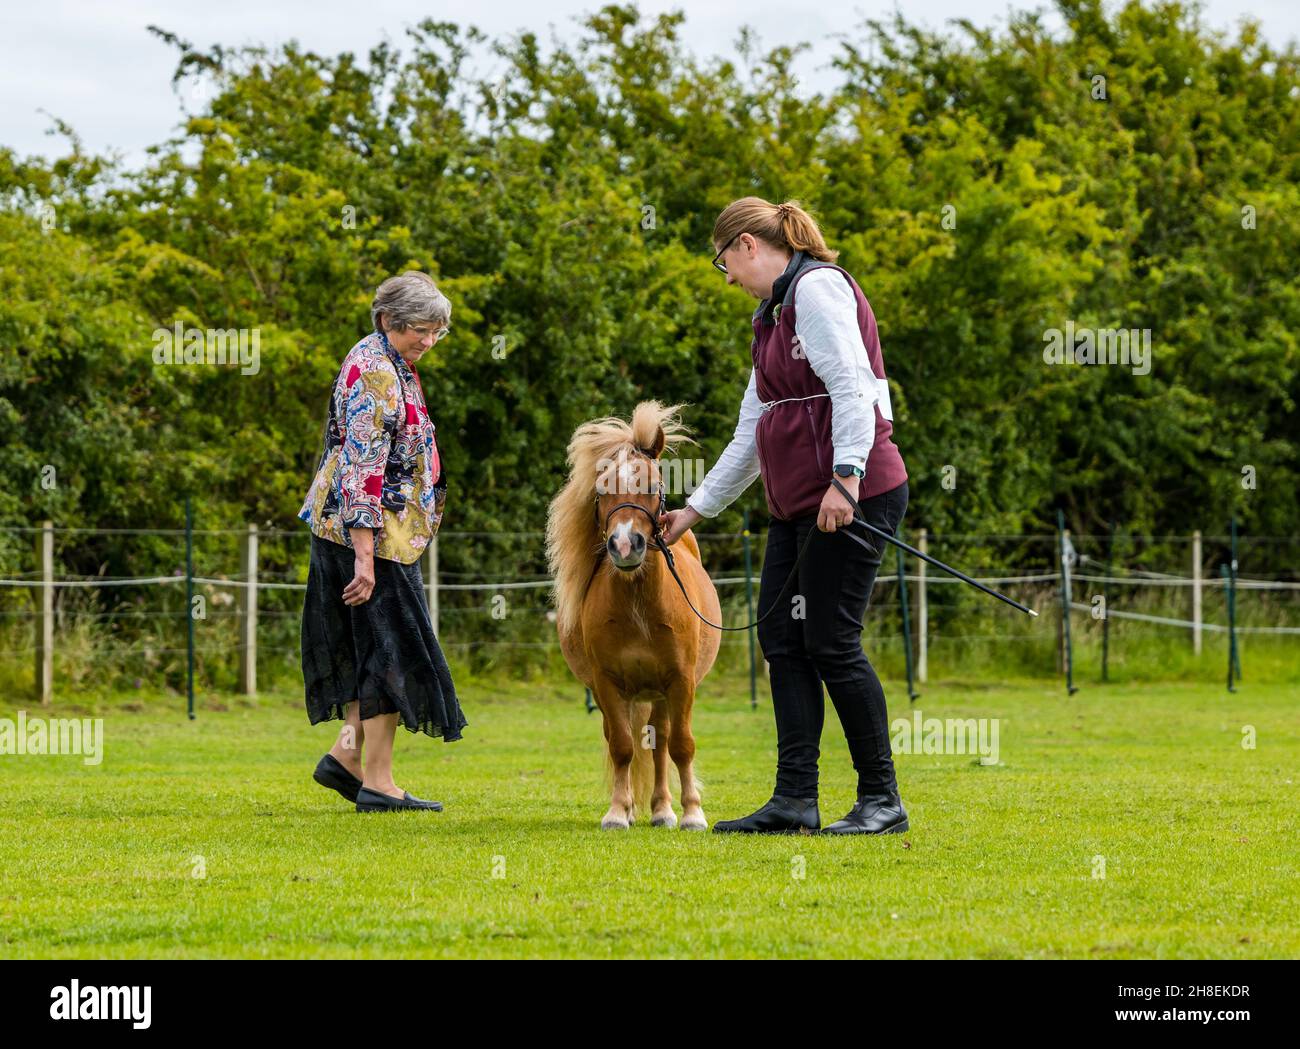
x,y
785,225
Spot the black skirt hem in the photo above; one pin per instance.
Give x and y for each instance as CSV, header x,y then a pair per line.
x,y
336,712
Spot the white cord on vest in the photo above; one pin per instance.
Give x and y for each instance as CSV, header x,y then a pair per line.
x,y
769,405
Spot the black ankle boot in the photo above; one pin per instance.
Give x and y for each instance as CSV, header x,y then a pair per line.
x,y
873,814
781,815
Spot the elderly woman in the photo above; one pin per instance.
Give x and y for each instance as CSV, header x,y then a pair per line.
x,y
369,656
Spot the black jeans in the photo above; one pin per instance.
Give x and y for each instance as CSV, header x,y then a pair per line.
x,y
817,637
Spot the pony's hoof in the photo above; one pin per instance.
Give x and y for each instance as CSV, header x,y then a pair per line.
x,y
696,821
614,823
666,820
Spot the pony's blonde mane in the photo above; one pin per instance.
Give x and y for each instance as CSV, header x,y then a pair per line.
x,y
572,535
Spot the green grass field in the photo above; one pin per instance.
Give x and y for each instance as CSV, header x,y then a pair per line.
x,y
1198,835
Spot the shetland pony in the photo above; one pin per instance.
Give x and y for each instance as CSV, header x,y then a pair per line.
x,y
625,629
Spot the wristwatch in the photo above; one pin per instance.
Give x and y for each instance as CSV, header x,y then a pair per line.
x,y
845,470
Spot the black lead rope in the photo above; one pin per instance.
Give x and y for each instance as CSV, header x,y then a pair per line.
x,y
794,570
857,519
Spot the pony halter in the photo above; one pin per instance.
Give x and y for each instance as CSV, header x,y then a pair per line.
x,y
655,531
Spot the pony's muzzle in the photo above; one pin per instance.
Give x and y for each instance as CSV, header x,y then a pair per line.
x,y
626,547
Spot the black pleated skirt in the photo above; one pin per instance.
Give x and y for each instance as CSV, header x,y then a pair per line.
x,y
381,654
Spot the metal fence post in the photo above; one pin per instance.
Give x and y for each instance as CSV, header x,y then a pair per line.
x,y
1232,623
1105,606
45,615
248,616
922,612
907,625
1232,613
749,605
1067,652
1196,591
189,607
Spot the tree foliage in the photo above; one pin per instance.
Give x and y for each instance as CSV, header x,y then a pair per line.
x,y
565,201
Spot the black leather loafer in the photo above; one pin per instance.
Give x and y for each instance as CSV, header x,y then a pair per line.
x,y
873,814
331,773
781,815
376,801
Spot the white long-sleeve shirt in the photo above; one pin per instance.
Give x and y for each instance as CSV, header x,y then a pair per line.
x,y
826,325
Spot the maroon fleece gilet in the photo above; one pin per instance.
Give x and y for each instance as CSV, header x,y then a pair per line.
x,y
795,450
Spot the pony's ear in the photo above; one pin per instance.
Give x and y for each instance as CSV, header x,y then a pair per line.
x,y
657,445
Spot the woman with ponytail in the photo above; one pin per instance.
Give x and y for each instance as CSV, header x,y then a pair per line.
x,y
817,406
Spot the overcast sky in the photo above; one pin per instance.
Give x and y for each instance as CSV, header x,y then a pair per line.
x,y
92,64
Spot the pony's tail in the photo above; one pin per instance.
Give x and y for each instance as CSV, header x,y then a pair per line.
x,y
642,772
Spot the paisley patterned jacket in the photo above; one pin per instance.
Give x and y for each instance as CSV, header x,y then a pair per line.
x,y
379,467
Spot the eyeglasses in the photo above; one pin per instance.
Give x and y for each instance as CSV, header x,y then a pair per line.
x,y
422,331
722,265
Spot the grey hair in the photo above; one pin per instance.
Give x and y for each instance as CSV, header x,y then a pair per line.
x,y
410,298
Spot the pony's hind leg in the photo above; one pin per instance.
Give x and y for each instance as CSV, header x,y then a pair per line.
x,y
661,802
618,740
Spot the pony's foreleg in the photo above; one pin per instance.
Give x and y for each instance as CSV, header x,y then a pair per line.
x,y
618,738
681,745
661,802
